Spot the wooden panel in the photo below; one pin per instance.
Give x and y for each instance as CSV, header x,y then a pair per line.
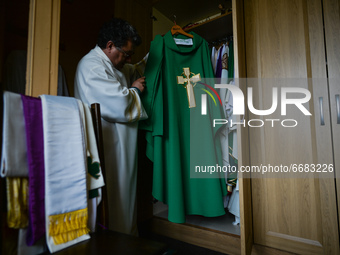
x,y
207,238
43,47
263,250
332,35
246,224
284,39
137,13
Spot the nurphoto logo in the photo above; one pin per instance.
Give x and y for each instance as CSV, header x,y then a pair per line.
x,y
239,105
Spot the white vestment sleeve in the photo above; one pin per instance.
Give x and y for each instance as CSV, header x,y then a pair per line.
x,y
97,78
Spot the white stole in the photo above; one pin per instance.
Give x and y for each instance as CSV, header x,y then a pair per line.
x,y
65,173
14,149
97,181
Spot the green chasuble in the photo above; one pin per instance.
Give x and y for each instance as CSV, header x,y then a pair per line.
x,y
182,143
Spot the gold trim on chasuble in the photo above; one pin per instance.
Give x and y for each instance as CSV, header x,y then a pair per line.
x,y
133,104
190,84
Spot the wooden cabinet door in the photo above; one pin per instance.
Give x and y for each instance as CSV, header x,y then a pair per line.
x,y
332,39
246,230
285,39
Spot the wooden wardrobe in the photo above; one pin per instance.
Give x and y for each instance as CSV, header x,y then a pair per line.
x,y
296,39
287,41
275,39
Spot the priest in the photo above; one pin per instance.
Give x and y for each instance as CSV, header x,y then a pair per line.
x,y
100,78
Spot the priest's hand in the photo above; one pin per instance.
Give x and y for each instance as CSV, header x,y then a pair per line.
x,y
139,83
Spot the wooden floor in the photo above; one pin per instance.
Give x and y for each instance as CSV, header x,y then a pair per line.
x,y
176,247
146,244
110,242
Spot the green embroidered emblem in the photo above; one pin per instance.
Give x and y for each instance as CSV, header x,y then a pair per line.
x,y
93,193
93,168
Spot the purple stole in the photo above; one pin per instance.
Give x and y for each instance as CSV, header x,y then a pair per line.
x,y
218,73
36,171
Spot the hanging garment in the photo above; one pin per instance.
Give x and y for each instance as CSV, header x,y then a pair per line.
x,y
231,68
214,58
218,71
232,132
223,64
28,111
214,54
14,149
232,178
36,169
23,249
66,213
221,74
94,178
180,138
14,160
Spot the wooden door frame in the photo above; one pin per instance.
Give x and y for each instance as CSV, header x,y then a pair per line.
x,y
331,23
308,37
246,223
43,47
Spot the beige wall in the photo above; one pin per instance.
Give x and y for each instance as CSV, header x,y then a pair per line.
x,y
162,25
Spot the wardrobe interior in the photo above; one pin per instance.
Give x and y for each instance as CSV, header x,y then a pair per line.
x,y
213,22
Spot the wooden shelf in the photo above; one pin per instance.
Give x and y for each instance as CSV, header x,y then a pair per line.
x,y
215,28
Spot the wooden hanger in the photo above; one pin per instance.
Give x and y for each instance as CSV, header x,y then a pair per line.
x,y
176,29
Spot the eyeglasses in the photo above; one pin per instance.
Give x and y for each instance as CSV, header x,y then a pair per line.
x,y
125,54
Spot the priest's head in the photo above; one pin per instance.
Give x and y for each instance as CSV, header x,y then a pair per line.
x,y
118,39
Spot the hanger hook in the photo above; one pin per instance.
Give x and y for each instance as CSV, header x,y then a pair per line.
x,y
174,18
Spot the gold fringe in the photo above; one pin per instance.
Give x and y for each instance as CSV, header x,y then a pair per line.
x,y
68,226
17,202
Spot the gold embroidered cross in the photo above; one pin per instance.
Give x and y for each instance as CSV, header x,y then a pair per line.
x,y
190,84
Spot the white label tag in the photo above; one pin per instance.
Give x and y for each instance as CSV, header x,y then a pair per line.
x,y
183,41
